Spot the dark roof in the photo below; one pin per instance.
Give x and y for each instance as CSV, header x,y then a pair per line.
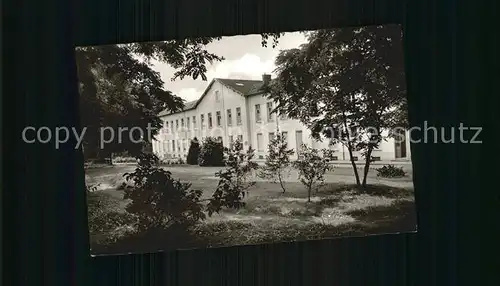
x,y
190,104
187,106
245,87
242,86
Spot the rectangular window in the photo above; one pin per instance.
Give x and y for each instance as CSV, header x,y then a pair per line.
x,y
257,113
260,143
271,136
229,118
284,134
173,145
270,111
219,119
188,124
179,146
298,141
166,126
172,126
238,116
176,124
240,138
194,122
209,120
231,141
182,123
202,118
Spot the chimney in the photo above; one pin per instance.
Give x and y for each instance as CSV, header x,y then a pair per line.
x,y
266,78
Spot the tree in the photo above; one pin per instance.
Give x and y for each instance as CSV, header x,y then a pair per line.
x,y
346,84
277,161
118,87
193,152
158,200
312,165
234,179
211,153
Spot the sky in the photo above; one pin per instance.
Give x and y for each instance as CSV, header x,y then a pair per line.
x,y
245,58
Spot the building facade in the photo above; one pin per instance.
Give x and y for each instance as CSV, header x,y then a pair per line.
x,y
231,109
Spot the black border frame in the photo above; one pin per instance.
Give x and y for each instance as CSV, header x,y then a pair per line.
x,y
449,62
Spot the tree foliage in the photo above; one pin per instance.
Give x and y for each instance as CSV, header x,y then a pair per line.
x,y
312,165
193,152
277,161
347,84
211,153
158,200
119,88
234,180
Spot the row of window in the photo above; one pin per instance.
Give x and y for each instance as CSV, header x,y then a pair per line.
x,y
170,146
169,126
260,139
270,113
181,144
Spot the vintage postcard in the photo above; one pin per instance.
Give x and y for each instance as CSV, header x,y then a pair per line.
x,y
217,142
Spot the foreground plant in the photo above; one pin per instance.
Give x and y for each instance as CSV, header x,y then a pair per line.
x,y
158,200
234,180
312,165
390,171
277,161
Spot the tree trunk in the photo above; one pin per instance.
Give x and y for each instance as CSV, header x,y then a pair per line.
x,y
367,165
353,163
349,148
281,182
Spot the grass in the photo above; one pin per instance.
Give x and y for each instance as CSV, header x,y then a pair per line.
x,y
338,209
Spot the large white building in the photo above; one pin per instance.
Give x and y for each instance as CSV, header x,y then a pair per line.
x,y
231,109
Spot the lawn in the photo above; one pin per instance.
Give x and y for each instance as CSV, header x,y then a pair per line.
x,y
339,208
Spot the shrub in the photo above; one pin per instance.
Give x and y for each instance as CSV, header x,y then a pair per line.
x,y
124,160
158,200
234,179
166,211
312,166
277,160
211,153
194,152
390,171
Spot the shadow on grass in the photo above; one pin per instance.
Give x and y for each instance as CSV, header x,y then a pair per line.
x,y
373,190
401,216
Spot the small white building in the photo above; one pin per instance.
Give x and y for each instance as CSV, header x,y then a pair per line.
x,y
231,109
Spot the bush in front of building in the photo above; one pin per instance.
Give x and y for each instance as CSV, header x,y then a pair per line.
x,y
390,171
312,165
234,180
194,152
277,162
211,153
